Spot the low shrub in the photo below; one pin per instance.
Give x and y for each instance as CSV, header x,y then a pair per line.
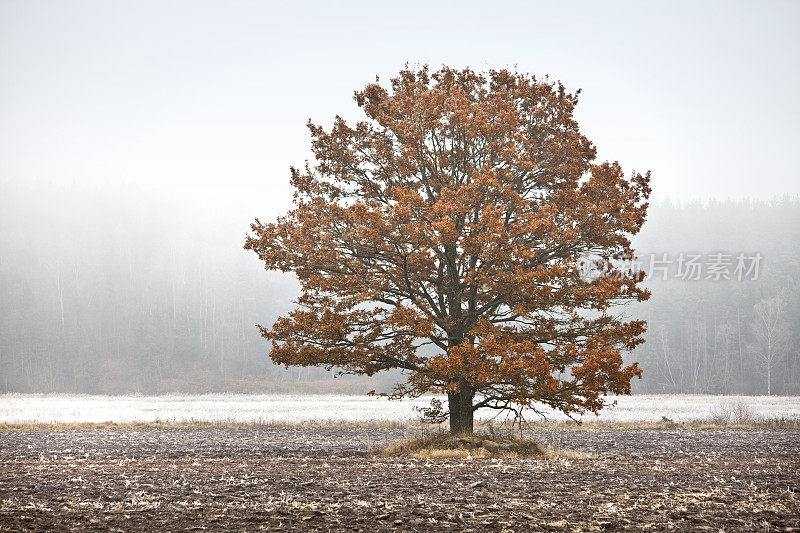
x,y
734,413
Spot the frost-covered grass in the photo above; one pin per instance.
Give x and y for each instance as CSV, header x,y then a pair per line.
x,y
231,408
299,409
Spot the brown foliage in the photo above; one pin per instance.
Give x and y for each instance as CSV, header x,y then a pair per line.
x,y
444,236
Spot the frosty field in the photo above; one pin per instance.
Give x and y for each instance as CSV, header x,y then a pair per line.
x,y
325,478
321,479
37,408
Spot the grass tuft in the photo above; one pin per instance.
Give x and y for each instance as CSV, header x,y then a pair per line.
x,y
442,445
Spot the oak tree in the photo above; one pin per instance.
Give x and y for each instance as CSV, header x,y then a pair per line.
x,y
447,235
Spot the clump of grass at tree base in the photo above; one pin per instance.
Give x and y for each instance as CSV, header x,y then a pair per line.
x,y
445,445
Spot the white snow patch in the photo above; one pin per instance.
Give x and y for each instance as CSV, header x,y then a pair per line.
x,y
42,408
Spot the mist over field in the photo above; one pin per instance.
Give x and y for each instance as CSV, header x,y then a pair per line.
x,y
120,290
137,145
131,169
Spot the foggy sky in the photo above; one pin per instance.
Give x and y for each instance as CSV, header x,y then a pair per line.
x,y
214,96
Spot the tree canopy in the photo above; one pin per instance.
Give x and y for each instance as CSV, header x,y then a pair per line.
x,y
447,235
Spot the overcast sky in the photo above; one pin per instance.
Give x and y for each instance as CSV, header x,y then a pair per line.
x,y
215,95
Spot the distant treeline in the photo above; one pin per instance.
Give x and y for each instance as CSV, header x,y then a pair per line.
x,y
125,291
725,336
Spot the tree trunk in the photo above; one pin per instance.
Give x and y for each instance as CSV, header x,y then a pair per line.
x,y
460,404
769,377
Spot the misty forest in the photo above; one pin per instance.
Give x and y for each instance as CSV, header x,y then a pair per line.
x,y
116,291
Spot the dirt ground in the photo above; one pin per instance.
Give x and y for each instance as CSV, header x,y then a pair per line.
x,y
321,480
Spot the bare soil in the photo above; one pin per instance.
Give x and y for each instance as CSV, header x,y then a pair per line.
x,y
321,479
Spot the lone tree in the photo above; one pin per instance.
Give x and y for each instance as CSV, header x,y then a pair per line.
x,y
448,235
